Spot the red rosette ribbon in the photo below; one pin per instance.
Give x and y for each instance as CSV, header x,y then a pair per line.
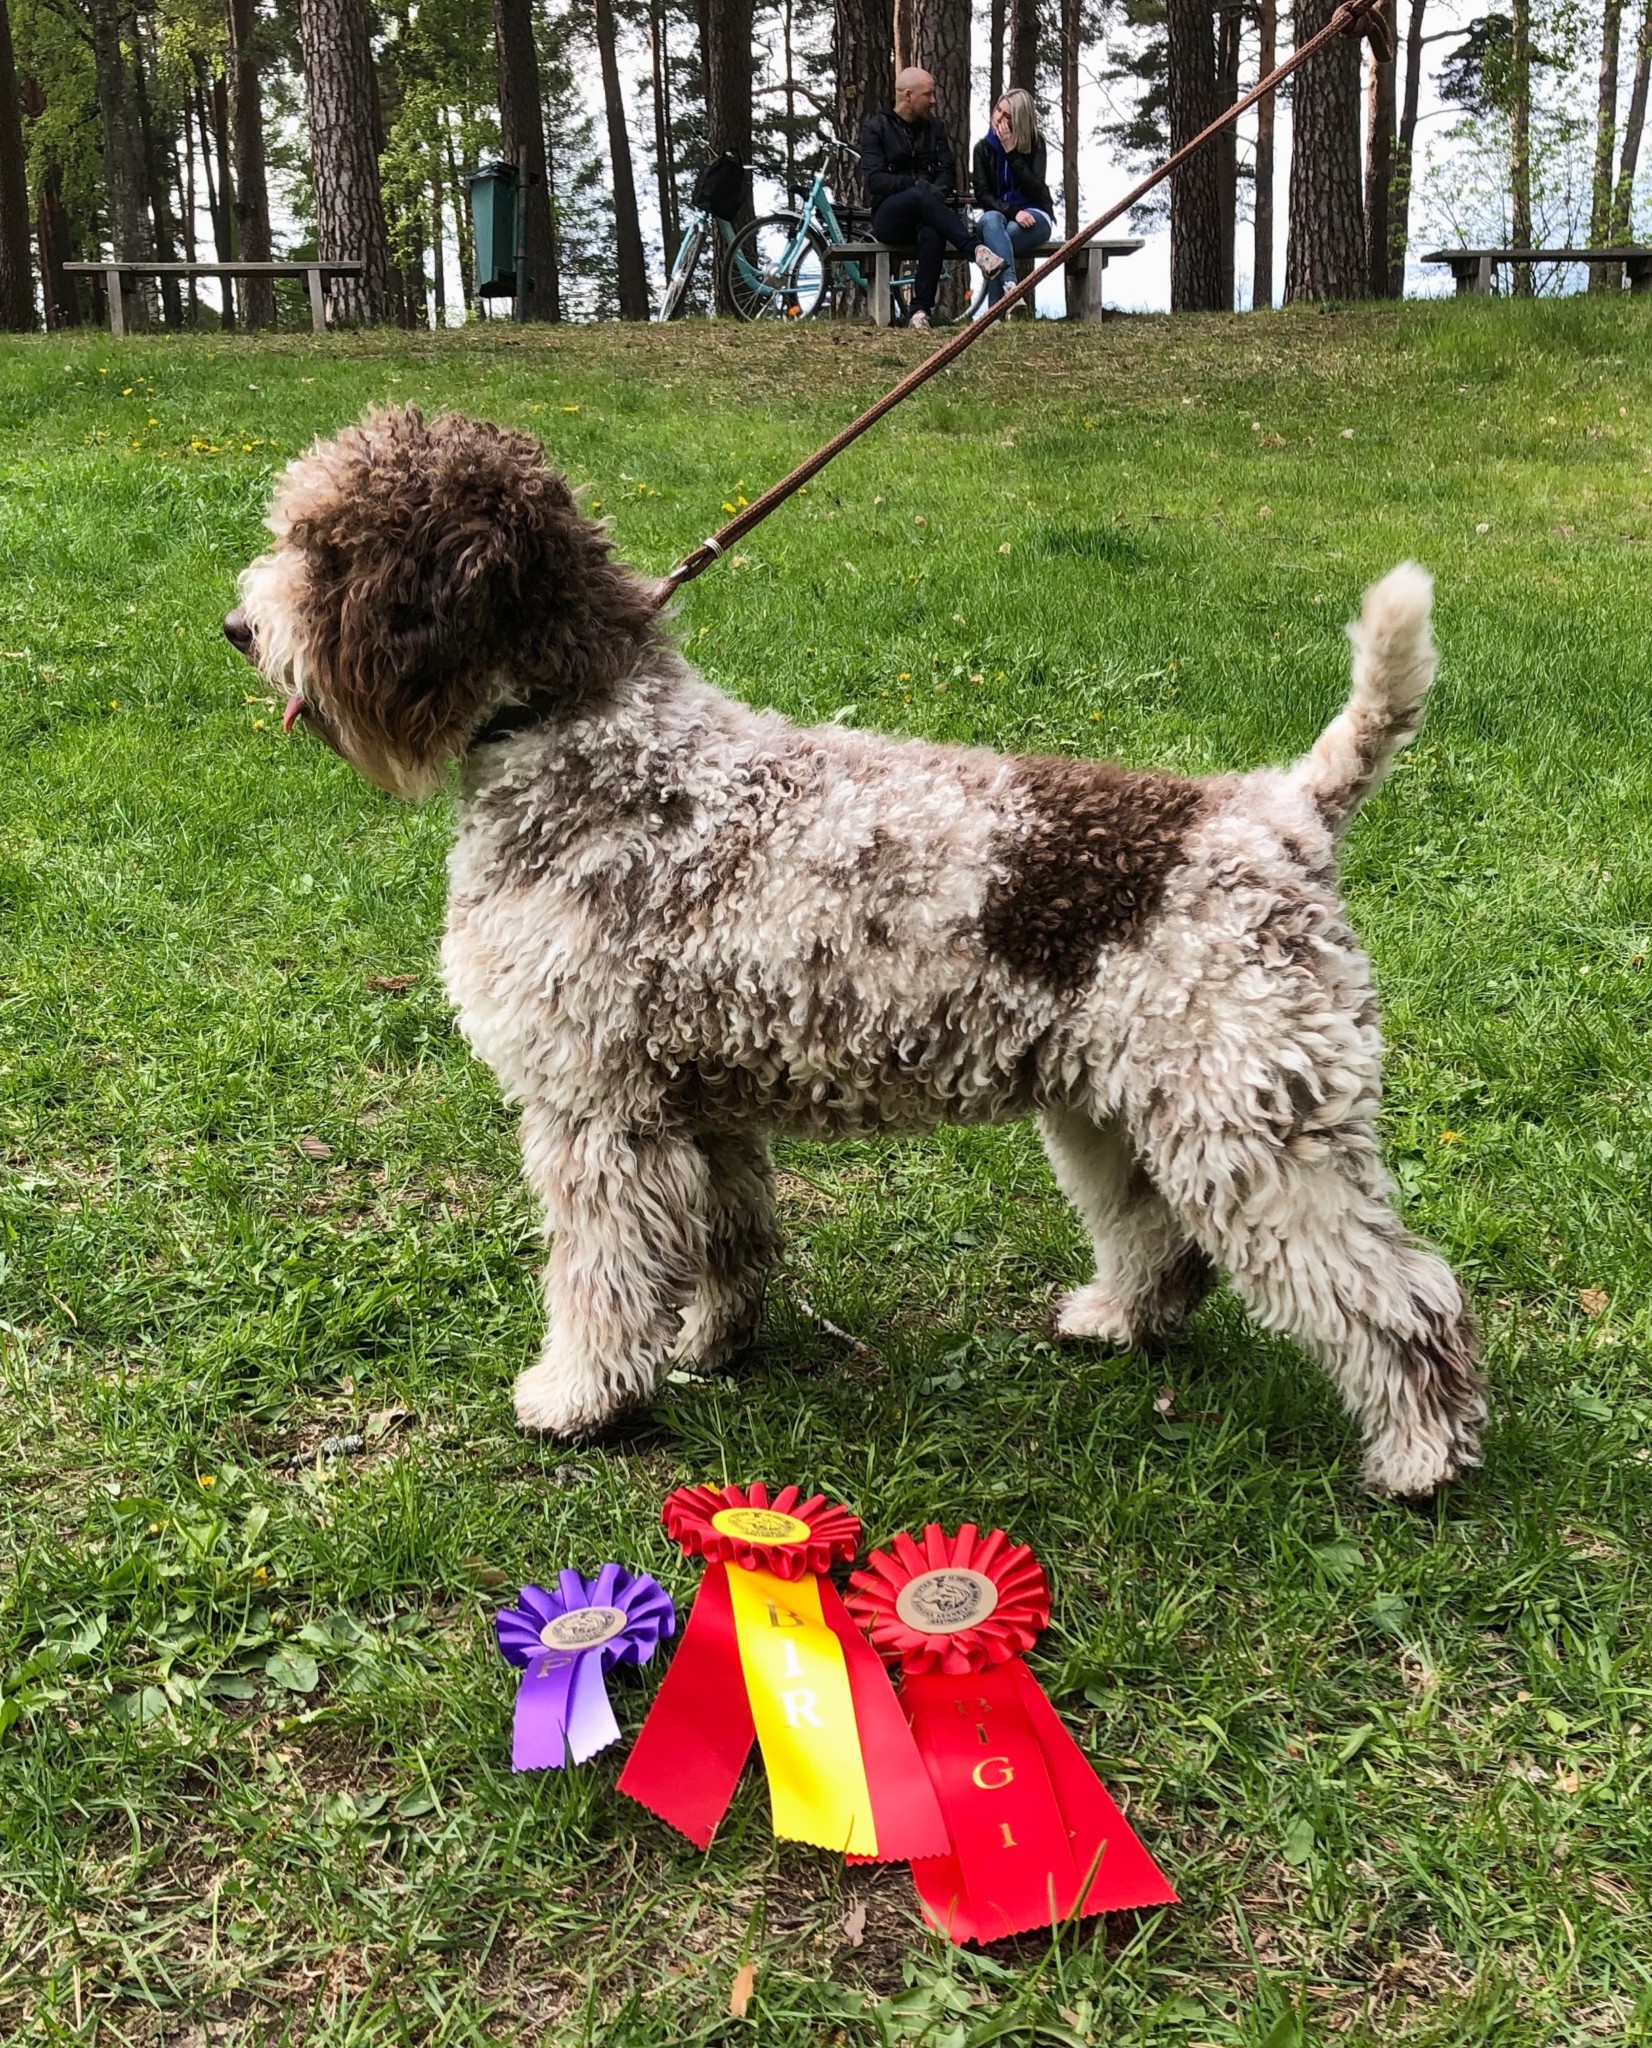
x,y
770,1655
1035,1837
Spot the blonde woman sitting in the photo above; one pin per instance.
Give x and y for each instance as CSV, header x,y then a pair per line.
x,y
1017,212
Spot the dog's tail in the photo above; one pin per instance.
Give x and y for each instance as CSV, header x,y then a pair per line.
x,y
1394,662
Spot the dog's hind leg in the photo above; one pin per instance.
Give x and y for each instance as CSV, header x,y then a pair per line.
x,y
1304,1226
742,1244
627,1210
1150,1275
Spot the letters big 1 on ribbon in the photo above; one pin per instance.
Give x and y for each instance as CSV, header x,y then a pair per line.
x,y
1034,1835
770,1652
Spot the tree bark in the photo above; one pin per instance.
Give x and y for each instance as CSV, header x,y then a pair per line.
x,y
1325,255
1520,140
59,298
630,265
122,140
438,245
252,192
154,178
1399,201
1379,174
1072,37
665,151
1195,190
1261,290
464,230
522,127
338,72
997,28
1023,44
863,59
1230,21
728,72
1634,122
217,197
1606,145
16,272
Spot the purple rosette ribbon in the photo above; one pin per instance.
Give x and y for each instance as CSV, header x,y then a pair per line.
x,y
566,1642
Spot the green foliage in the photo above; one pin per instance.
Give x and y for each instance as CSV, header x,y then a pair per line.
x,y
267,1268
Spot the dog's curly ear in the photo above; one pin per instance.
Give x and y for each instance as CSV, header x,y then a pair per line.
x,y
447,564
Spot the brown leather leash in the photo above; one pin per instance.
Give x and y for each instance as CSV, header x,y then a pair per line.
x,y
1353,18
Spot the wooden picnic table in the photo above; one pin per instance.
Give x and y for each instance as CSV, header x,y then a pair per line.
x,y
1475,269
314,273
1089,263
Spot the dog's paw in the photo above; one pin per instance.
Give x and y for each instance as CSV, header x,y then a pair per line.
x,y
1090,1314
1416,1466
551,1403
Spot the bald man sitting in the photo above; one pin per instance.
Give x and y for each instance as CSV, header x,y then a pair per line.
x,y
910,176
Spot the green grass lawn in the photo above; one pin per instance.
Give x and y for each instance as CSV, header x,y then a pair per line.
x,y
267,1269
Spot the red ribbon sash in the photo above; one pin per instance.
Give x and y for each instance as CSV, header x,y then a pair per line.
x,y
1034,1832
693,1746
1034,1837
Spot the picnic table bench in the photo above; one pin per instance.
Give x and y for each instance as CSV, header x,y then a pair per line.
x,y
1088,264
314,273
1475,269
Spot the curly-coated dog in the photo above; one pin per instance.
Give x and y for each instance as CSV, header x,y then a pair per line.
x,y
678,925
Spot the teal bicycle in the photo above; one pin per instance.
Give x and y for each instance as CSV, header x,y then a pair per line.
x,y
781,267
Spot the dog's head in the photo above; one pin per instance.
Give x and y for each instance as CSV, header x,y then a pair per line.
x,y
424,574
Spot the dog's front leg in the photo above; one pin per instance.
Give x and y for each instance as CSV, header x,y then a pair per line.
x,y
626,1210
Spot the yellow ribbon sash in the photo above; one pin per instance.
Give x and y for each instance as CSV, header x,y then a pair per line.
x,y
798,1684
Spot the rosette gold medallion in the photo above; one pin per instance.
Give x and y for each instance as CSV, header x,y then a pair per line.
x,y
1035,1836
770,1653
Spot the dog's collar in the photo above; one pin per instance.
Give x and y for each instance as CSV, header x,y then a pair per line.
x,y
512,718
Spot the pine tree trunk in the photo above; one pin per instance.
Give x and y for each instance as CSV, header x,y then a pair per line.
x,y
1230,22
1325,254
1261,290
1023,49
154,178
1379,174
1399,201
940,46
338,72
665,153
1605,277
1623,202
59,296
728,71
252,192
1072,37
217,203
16,272
438,245
630,264
863,64
522,127
997,29
1195,190
123,179
1520,141
464,230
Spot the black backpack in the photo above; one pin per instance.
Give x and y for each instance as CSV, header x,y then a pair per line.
x,y
721,186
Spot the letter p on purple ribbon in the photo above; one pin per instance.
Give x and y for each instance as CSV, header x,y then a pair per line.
x,y
565,1643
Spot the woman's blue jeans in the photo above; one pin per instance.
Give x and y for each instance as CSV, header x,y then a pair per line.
x,y
1010,240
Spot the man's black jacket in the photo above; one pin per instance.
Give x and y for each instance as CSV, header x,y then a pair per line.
x,y
896,154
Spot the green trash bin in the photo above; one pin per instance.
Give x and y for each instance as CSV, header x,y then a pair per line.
x,y
493,209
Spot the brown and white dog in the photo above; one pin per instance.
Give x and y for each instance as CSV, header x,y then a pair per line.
x,y
678,925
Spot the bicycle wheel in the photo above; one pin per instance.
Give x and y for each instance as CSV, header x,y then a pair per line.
x,y
770,275
682,272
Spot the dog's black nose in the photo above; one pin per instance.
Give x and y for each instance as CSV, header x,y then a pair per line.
x,y
238,633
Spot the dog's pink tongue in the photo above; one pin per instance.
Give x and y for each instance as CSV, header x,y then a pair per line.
x,y
293,712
